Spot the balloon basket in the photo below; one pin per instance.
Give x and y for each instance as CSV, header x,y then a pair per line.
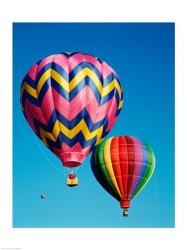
x,y
125,212
72,182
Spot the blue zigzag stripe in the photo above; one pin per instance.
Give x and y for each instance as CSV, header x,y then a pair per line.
x,y
78,138
71,124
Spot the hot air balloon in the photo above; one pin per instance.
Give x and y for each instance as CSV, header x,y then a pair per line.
x,y
42,196
71,101
123,165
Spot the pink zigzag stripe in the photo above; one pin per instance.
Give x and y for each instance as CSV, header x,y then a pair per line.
x,y
79,58
72,109
43,115
29,115
111,123
69,64
95,111
32,72
33,111
59,59
103,67
106,70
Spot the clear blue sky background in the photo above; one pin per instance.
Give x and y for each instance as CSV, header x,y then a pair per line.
x,y
143,56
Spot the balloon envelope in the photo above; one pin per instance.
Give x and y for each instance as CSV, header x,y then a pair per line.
x,y
71,101
123,165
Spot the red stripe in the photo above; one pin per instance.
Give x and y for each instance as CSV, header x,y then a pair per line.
x,y
131,161
115,158
123,164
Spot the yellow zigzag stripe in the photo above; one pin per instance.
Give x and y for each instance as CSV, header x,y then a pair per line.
x,y
32,92
29,89
120,104
76,80
81,126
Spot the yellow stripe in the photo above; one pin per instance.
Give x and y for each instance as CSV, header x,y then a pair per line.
x,y
110,87
45,135
56,76
81,126
56,129
29,89
120,104
118,87
103,91
76,80
108,165
81,75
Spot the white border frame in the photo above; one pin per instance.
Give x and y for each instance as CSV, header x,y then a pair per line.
x,y
96,11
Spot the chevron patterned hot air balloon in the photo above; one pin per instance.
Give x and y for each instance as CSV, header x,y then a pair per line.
x,y
123,165
71,101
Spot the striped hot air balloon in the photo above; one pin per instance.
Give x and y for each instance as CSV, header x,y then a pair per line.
x,y
71,101
123,165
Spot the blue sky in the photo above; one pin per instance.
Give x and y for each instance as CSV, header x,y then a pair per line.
x,y
143,56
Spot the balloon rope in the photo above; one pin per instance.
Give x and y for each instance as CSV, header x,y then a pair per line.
x,y
47,158
65,170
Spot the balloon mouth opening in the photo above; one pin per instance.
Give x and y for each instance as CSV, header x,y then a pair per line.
x,y
125,203
71,164
72,159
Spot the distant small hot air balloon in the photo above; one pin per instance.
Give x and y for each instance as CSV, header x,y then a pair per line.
x,y
42,196
71,101
123,165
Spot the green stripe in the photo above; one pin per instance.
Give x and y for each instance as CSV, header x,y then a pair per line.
x,y
100,159
101,163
